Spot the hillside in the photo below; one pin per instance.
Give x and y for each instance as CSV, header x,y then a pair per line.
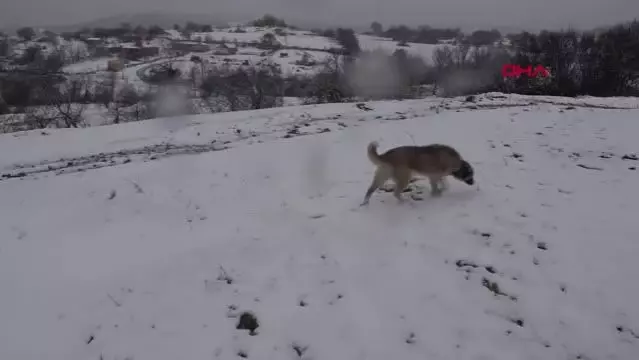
x,y
150,240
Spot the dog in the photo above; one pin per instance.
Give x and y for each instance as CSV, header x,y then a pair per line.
x,y
435,161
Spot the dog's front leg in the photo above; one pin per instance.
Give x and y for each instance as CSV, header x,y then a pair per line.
x,y
401,177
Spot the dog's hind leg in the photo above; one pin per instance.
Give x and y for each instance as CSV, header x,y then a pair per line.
x,y
402,179
381,176
444,183
435,189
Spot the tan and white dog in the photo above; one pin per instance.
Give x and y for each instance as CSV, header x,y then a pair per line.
x,y
435,161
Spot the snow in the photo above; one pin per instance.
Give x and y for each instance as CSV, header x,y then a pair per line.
x,y
155,259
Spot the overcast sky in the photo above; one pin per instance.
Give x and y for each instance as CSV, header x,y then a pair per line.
x,y
532,14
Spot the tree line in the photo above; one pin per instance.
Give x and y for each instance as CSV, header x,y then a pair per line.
x,y
596,63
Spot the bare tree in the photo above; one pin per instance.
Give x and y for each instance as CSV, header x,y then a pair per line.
x,y
127,105
68,101
40,117
328,85
225,86
27,33
443,58
265,86
460,54
252,88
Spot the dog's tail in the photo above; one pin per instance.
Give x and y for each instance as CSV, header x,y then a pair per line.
x,y
373,156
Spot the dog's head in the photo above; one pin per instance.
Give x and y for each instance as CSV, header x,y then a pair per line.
x,y
465,173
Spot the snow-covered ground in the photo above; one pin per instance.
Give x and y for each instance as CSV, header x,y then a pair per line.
x,y
123,257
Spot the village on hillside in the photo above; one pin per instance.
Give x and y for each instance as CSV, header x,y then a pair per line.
x,y
111,75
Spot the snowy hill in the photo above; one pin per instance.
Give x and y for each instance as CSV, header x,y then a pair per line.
x,y
114,247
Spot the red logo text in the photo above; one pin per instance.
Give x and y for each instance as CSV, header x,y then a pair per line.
x,y
513,70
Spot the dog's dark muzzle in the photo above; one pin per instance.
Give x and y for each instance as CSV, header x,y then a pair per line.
x,y
470,181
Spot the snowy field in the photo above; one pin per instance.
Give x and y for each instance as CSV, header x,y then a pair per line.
x,y
291,38
151,240
289,61
246,57
305,39
372,43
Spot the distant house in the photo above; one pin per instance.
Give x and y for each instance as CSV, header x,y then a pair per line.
x,y
447,41
189,46
5,64
131,52
115,65
93,41
223,49
100,51
137,52
131,38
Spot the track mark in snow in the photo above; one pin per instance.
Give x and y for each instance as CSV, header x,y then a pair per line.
x,y
242,353
138,188
224,276
467,266
588,167
80,164
542,245
20,233
299,349
494,287
363,106
624,330
112,195
248,321
115,302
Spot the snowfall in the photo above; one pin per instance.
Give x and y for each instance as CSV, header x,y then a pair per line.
x,y
240,235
